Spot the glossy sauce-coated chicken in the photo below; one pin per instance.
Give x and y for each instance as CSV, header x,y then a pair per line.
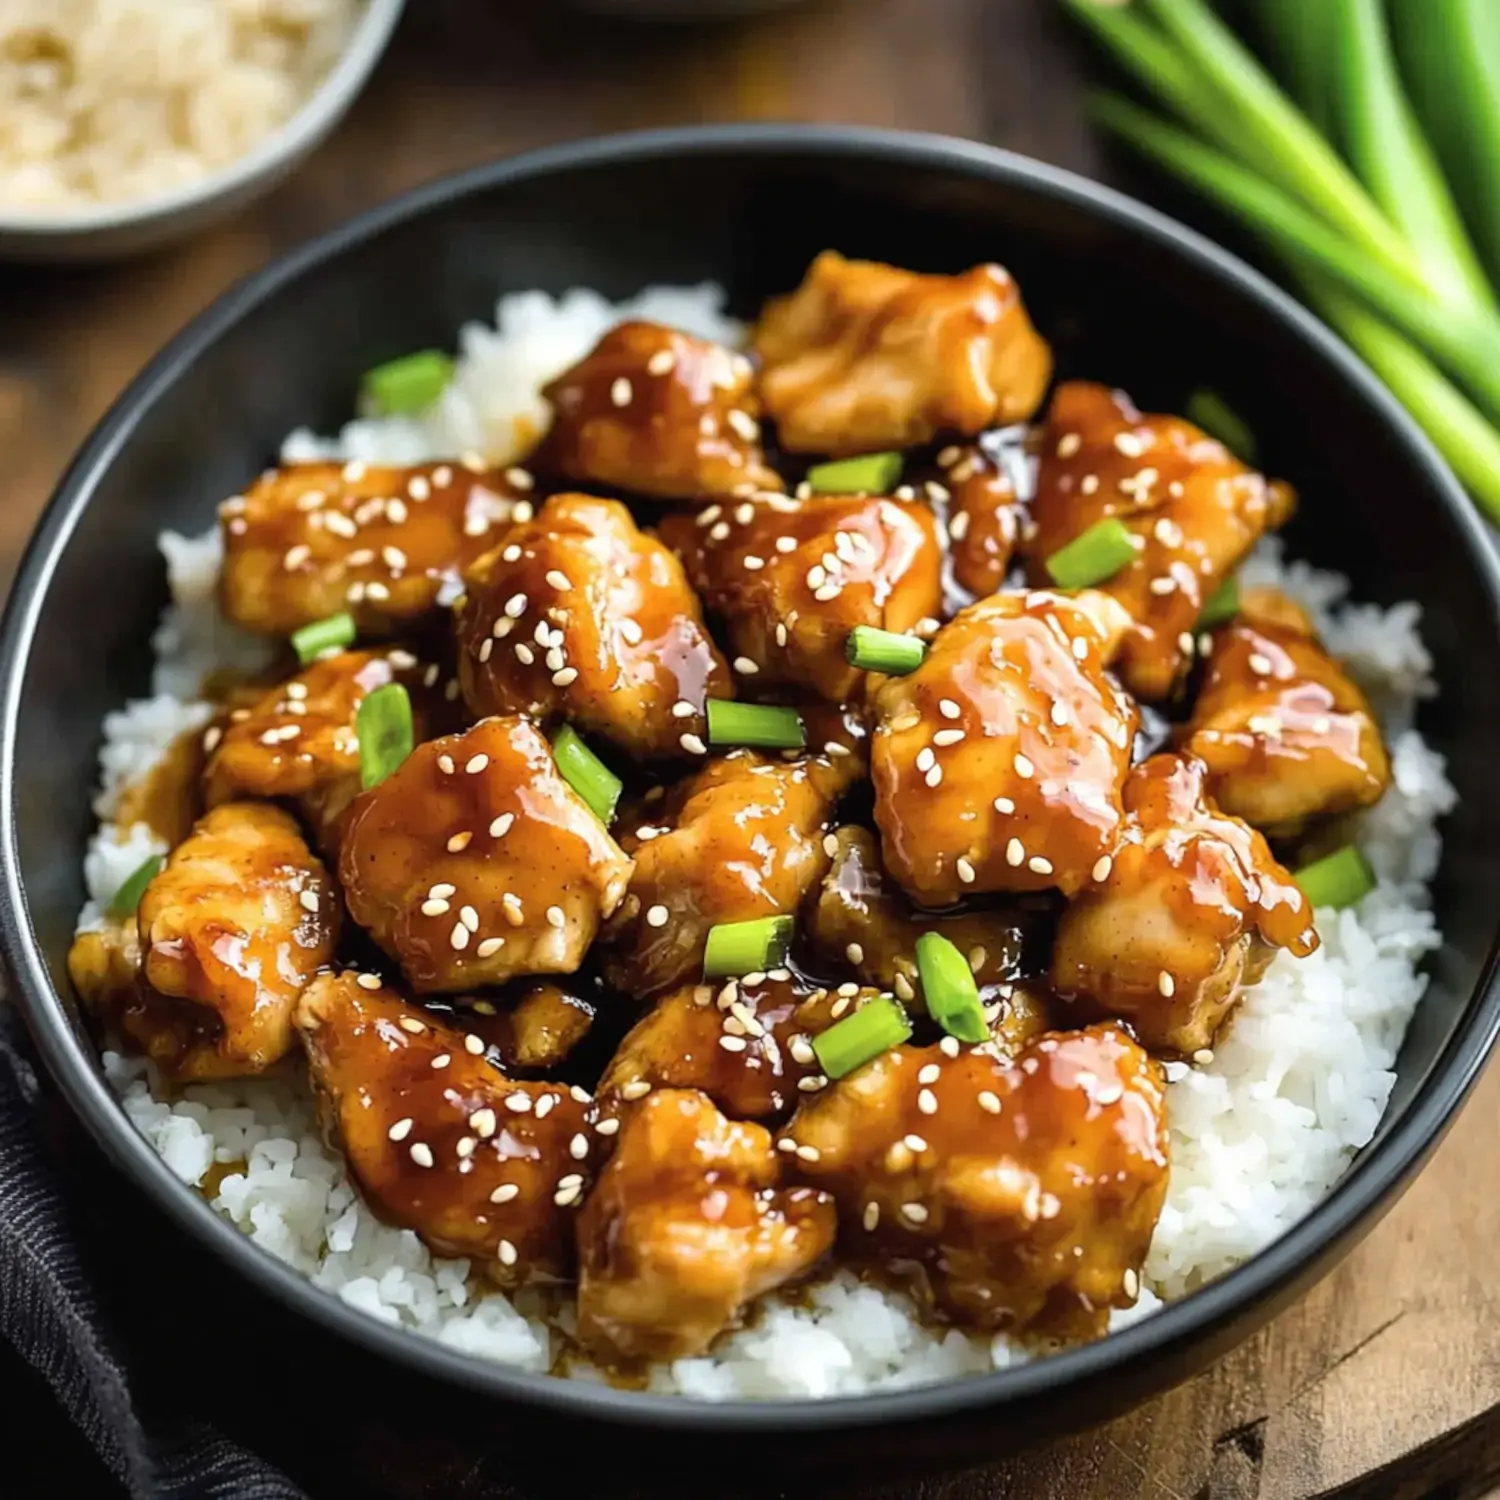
x,y
1192,908
1286,735
658,412
861,919
543,1027
864,357
743,838
439,1139
232,930
579,615
998,762
310,540
984,517
686,1227
475,861
300,742
1016,1195
792,578
1194,509
746,1043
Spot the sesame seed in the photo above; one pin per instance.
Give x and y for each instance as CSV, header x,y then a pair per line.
x,y
515,606
661,362
949,1046
745,665
432,908
421,1153
977,956
929,1073
927,1102
925,758
854,953
465,1147
718,531
743,423
637,1088
1260,665
459,937
544,1105
505,1192
308,900
412,1025
459,842
559,580
1204,1056
1059,713
368,981
620,392
871,1216
780,633
945,737
607,1127
578,1147
1162,586
556,917
486,649
632,632
693,744
1185,643
914,1213
506,1252
1102,866
1024,768
809,1153
816,577
565,678
519,479
501,826
1166,984
949,709
1004,805
1038,865
965,870
657,916
469,917
903,988
490,947
296,556
989,1102
524,653
1015,853
400,1130
518,1103
474,1045
1129,444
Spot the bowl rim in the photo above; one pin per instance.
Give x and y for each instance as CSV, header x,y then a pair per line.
x,y
1275,1272
297,134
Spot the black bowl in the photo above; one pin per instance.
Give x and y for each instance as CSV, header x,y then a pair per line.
x,y
1125,296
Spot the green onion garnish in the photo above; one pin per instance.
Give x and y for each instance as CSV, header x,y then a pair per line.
x,y
869,474
948,987
874,650
848,1044
1092,556
1208,411
736,948
406,385
128,897
331,634
1222,605
1338,879
385,730
767,726
586,773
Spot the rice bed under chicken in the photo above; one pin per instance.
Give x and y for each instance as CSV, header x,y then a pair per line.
x,y
1259,1134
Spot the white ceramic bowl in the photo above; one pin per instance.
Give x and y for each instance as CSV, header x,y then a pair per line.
x,y
108,230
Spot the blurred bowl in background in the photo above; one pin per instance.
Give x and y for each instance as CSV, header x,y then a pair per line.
x,y
681,10
106,230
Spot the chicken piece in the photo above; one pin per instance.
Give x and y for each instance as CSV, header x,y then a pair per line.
x,y
300,742
1286,735
389,545
104,964
660,412
475,861
232,930
544,1026
581,616
997,764
864,356
685,1228
439,1140
861,920
792,578
1192,908
168,796
746,1045
741,839
984,517
1010,1195
1195,510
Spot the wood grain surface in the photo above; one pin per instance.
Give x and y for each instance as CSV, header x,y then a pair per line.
x,y
1385,1380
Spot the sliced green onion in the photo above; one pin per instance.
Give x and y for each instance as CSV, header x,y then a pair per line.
x,y
586,773
386,735
1222,605
1339,879
768,726
1092,556
128,897
873,650
869,474
331,634
874,1028
406,385
948,988
1218,420
736,948
1387,148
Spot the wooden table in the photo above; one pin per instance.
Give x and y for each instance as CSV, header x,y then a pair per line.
x,y
1383,1381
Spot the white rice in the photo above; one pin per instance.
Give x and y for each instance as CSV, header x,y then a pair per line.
x,y
1259,1134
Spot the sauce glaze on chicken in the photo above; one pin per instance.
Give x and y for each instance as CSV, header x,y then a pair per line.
x,y
500,998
